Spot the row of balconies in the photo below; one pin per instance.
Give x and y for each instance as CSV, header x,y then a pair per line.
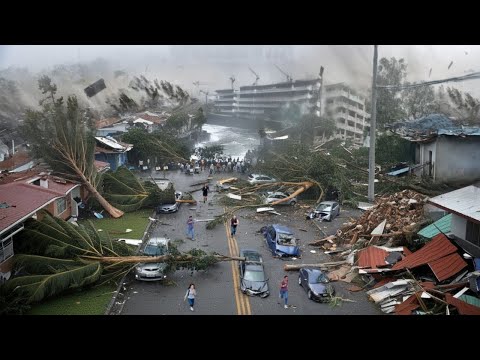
x,y
348,95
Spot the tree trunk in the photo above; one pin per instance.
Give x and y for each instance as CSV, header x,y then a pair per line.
x,y
320,265
304,186
113,211
155,259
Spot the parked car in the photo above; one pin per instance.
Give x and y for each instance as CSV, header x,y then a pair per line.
x,y
260,179
170,207
326,210
275,196
281,241
316,284
155,246
253,280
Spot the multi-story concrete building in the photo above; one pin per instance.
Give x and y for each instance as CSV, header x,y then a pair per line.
x,y
348,109
262,102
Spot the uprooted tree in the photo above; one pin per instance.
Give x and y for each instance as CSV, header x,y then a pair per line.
x,y
54,256
63,136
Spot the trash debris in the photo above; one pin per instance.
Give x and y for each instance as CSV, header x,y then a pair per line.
x,y
233,196
313,251
95,88
263,209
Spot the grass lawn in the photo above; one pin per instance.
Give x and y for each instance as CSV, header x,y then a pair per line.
x,y
93,301
137,221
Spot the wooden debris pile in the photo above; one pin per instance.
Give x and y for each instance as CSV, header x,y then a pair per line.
x,y
402,214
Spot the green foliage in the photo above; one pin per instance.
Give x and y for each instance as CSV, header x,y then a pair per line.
x,y
208,152
177,121
392,149
61,134
125,191
194,259
389,102
419,101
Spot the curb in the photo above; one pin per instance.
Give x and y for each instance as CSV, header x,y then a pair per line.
x,y
119,298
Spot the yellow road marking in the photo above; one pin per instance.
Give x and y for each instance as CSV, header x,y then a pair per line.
x,y
234,251
235,285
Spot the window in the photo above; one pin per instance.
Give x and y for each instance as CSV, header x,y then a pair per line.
x,y
61,205
473,233
6,249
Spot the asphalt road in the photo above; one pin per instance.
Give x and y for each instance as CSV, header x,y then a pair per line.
x,y
218,287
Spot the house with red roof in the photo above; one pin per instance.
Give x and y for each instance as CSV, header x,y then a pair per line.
x,y
22,198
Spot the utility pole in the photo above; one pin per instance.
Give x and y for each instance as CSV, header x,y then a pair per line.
x,y
373,123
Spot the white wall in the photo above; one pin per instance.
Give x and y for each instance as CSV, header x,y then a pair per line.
x,y
459,226
458,158
424,149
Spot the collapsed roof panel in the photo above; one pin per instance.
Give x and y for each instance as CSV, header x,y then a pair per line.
x,y
95,88
447,266
437,248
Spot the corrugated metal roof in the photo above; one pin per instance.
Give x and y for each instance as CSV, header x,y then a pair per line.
x,y
407,306
435,249
442,225
447,266
462,307
464,202
472,300
372,257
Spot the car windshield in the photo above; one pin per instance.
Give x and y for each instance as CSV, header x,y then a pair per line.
x,y
251,275
252,256
317,279
324,207
154,250
286,239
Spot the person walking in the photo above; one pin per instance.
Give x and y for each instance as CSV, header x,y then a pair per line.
x,y
205,190
284,290
190,231
190,295
233,225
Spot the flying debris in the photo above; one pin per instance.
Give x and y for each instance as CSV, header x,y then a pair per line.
x,y
430,73
95,88
449,66
466,52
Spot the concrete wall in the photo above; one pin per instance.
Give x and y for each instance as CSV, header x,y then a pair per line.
x,y
424,149
459,226
458,158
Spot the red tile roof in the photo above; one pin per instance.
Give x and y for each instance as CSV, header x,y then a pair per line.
x,y
437,248
24,199
154,119
462,307
447,266
372,257
100,165
106,122
18,159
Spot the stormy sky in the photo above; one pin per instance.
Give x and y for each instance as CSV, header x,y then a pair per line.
x,y
213,65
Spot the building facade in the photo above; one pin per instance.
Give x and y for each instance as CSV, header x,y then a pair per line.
x,y
348,109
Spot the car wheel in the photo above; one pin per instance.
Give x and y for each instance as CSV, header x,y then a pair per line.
x,y
309,294
299,281
293,203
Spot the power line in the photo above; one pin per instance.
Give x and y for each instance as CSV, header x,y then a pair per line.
x,y
471,76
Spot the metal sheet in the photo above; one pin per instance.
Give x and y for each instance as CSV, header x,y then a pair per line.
x,y
447,266
464,202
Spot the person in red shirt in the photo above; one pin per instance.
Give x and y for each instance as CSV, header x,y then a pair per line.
x,y
284,290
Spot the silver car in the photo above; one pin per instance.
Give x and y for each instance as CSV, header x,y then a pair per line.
x,y
275,196
326,210
170,208
260,179
153,271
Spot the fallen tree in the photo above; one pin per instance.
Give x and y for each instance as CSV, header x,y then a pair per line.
x,y
288,267
56,256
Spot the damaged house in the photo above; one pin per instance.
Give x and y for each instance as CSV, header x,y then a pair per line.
x,y
464,205
444,151
111,151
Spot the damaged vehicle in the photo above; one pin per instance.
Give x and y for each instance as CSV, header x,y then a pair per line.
x,y
170,207
275,196
253,280
155,246
315,282
325,211
281,241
